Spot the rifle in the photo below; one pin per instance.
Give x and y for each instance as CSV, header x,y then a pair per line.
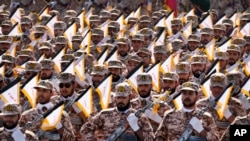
x,y
73,100
40,117
185,135
121,129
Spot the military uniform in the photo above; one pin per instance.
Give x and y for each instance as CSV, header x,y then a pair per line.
x,y
175,122
235,107
15,133
245,120
64,124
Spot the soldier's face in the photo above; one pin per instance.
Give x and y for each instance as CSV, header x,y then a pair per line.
x,y
205,38
97,79
223,64
66,89
197,69
123,49
169,85
144,90
5,29
175,28
131,65
116,72
43,95
2,84
46,73
137,44
189,98
216,90
122,102
58,32
192,45
183,77
218,33
160,57
144,25
146,59
96,38
233,57
10,121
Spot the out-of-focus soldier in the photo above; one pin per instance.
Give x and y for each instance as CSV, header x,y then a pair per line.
x,y
176,25
59,28
237,78
195,22
183,69
156,15
115,68
147,95
228,23
113,29
161,53
45,18
94,21
76,42
61,43
26,25
145,55
245,120
244,19
234,54
132,61
24,56
32,68
104,16
46,49
241,42
247,46
6,26
218,82
32,6
69,14
2,82
123,48
96,37
66,59
132,21
5,43
145,22
222,56
63,130
114,13
169,83
184,6
11,114
4,14
193,43
207,35
148,36
219,33
175,121
198,67
137,42
9,63
48,73
108,120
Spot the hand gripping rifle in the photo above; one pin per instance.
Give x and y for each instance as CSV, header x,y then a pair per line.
x,y
40,117
121,129
185,135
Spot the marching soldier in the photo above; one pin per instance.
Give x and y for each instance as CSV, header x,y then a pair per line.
x,y
234,54
222,56
145,55
193,43
67,94
46,49
132,61
11,131
219,33
175,122
207,35
123,48
161,53
146,95
198,67
6,26
183,69
107,121
9,63
137,42
62,131
234,107
5,43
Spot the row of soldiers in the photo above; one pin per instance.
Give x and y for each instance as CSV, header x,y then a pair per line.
x,y
158,122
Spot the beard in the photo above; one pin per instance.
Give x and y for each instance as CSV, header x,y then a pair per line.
x,y
121,107
12,126
188,103
123,53
231,62
144,94
44,76
197,73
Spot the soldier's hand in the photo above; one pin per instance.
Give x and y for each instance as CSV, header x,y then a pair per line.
x,y
133,122
196,124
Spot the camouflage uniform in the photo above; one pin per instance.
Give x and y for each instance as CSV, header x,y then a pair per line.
x,y
16,132
110,119
238,121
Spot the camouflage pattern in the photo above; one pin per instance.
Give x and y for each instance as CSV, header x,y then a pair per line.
x,y
238,121
6,136
139,103
175,122
235,108
110,119
29,115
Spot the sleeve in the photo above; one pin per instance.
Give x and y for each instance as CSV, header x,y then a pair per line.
x,y
210,128
237,109
161,132
68,133
146,128
225,136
